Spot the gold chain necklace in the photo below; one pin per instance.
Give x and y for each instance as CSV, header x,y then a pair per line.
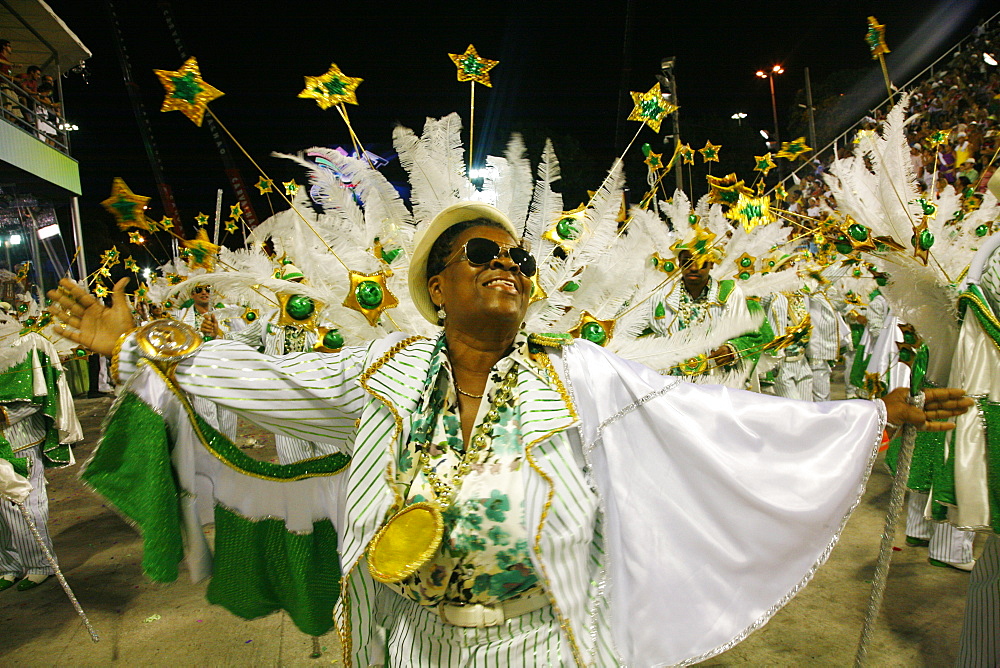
x,y
468,394
410,538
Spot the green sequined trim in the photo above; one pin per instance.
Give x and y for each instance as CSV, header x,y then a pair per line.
x,y
991,419
974,298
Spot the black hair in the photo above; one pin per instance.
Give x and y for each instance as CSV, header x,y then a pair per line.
x,y
34,68
4,43
442,245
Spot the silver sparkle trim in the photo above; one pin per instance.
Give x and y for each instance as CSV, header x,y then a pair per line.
x,y
628,409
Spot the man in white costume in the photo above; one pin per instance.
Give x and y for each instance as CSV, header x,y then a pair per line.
x,y
830,334
560,473
792,375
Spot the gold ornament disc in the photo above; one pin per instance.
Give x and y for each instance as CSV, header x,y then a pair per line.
x,y
405,542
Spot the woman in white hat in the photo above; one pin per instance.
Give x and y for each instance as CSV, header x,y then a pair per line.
x,y
519,499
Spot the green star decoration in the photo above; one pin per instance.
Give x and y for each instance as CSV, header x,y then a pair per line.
x,y
135,238
186,91
100,291
231,225
751,212
876,37
201,219
473,67
938,138
650,107
131,264
291,187
686,154
331,89
793,149
710,153
110,257
763,163
127,207
235,212
265,186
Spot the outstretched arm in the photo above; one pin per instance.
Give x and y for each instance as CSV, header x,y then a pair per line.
x,y
940,404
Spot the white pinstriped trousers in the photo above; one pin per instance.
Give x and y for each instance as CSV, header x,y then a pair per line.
x,y
418,638
947,543
20,553
980,643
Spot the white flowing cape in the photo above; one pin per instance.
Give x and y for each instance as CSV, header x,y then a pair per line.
x,y
720,504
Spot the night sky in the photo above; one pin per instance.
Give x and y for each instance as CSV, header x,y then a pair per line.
x,y
565,71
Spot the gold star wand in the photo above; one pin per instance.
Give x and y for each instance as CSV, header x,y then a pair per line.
x,y
473,68
876,42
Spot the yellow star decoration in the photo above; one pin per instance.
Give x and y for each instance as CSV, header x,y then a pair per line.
x,y
650,107
473,67
537,291
654,161
593,330
231,226
793,149
710,153
876,38
744,266
202,251
164,224
699,245
291,187
131,264
142,291
100,291
299,311
265,186
780,193
135,238
369,295
923,239
331,89
201,219
763,163
751,212
725,189
110,257
187,92
937,138
104,271
173,279
568,229
686,154
126,206
235,212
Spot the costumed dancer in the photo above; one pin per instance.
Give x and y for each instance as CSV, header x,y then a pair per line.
x,y
829,335
37,425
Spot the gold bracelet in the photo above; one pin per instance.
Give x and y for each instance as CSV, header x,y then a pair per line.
x,y
115,352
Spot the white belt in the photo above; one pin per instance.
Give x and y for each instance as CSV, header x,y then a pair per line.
x,y
479,616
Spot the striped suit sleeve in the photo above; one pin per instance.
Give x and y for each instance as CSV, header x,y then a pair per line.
x,y
310,396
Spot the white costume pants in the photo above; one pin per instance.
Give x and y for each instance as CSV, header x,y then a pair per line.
x,y
820,380
980,643
418,638
852,392
947,543
20,553
793,379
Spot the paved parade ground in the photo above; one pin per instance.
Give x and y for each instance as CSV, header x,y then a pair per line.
x,y
143,623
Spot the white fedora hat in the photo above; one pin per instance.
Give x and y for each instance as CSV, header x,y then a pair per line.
x,y
452,215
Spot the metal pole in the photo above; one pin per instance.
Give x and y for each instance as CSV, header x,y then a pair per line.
x,y
678,170
81,260
774,111
812,115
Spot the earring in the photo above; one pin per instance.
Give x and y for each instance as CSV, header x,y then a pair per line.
x,y
441,313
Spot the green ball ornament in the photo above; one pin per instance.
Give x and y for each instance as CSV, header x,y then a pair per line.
x,y
22,308
369,294
856,273
746,262
844,248
692,219
982,230
568,229
250,317
30,322
333,339
926,240
300,307
744,276
48,302
594,332
858,232
80,352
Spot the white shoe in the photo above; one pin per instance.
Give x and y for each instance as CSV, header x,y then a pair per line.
x,y
966,567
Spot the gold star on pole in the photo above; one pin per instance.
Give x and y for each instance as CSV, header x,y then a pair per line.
x,y
202,251
654,161
265,186
291,187
370,296
939,137
110,257
710,153
201,219
725,189
126,206
876,38
100,291
104,271
235,212
568,229
131,264
686,154
763,163
473,67
332,88
135,238
593,330
231,226
793,149
187,92
751,212
650,107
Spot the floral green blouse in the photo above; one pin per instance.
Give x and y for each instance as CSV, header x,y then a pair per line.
x,y
483,556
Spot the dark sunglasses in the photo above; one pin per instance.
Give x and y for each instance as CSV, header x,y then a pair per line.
x,y
201,288
479,251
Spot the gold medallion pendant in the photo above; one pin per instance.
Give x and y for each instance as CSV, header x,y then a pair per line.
x,y
405,542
